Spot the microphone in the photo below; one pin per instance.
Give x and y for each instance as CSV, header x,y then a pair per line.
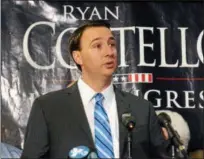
x,y
128,121
82,152
165,121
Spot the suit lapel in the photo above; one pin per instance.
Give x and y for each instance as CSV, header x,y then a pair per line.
x,y
122,107
78,110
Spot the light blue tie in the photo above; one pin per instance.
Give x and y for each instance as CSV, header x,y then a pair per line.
x,y
103,137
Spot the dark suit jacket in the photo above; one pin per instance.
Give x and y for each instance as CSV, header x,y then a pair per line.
x,y
58,123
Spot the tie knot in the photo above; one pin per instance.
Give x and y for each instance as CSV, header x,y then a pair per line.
x,y
99,97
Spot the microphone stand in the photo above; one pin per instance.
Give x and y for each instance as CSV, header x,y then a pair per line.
x,y
176,143
173,152
129,145
130,127
129,122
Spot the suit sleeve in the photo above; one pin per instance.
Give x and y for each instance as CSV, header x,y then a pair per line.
x,y
36,143
158,145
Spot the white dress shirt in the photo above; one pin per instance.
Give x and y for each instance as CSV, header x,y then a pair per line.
x,y
87,95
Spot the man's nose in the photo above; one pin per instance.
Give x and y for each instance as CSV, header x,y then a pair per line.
x,y
110,51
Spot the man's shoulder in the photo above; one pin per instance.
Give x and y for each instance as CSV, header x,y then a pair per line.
x,y
72,87
53,100
53,94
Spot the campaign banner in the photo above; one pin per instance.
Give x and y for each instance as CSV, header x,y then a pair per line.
x,y
160,56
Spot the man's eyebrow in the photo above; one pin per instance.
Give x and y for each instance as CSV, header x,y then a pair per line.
x,y
111,38
99,38
95,39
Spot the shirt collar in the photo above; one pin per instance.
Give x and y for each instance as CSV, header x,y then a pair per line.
x,y
108,93
87,93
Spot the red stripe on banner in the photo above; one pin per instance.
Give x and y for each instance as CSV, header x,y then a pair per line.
x,y
143,77
130,77
136,77
150,78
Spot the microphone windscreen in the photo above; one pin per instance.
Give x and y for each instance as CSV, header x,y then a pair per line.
x,y
163,118
79,152
92,155
127,118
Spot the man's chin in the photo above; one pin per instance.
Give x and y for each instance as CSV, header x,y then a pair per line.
x,y
109,73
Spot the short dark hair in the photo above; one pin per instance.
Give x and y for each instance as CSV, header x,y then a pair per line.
x,y
75,39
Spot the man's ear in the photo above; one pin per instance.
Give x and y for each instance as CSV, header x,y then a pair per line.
x,y
77,57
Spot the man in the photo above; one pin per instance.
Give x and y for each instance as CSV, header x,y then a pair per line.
x,y
89,112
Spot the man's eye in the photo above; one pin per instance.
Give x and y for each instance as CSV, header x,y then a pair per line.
x,y
97,46
113,44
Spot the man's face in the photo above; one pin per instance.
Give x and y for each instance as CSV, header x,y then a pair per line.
x,y
98,55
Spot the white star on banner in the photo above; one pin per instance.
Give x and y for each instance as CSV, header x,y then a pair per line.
x,y
115,79
123,78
